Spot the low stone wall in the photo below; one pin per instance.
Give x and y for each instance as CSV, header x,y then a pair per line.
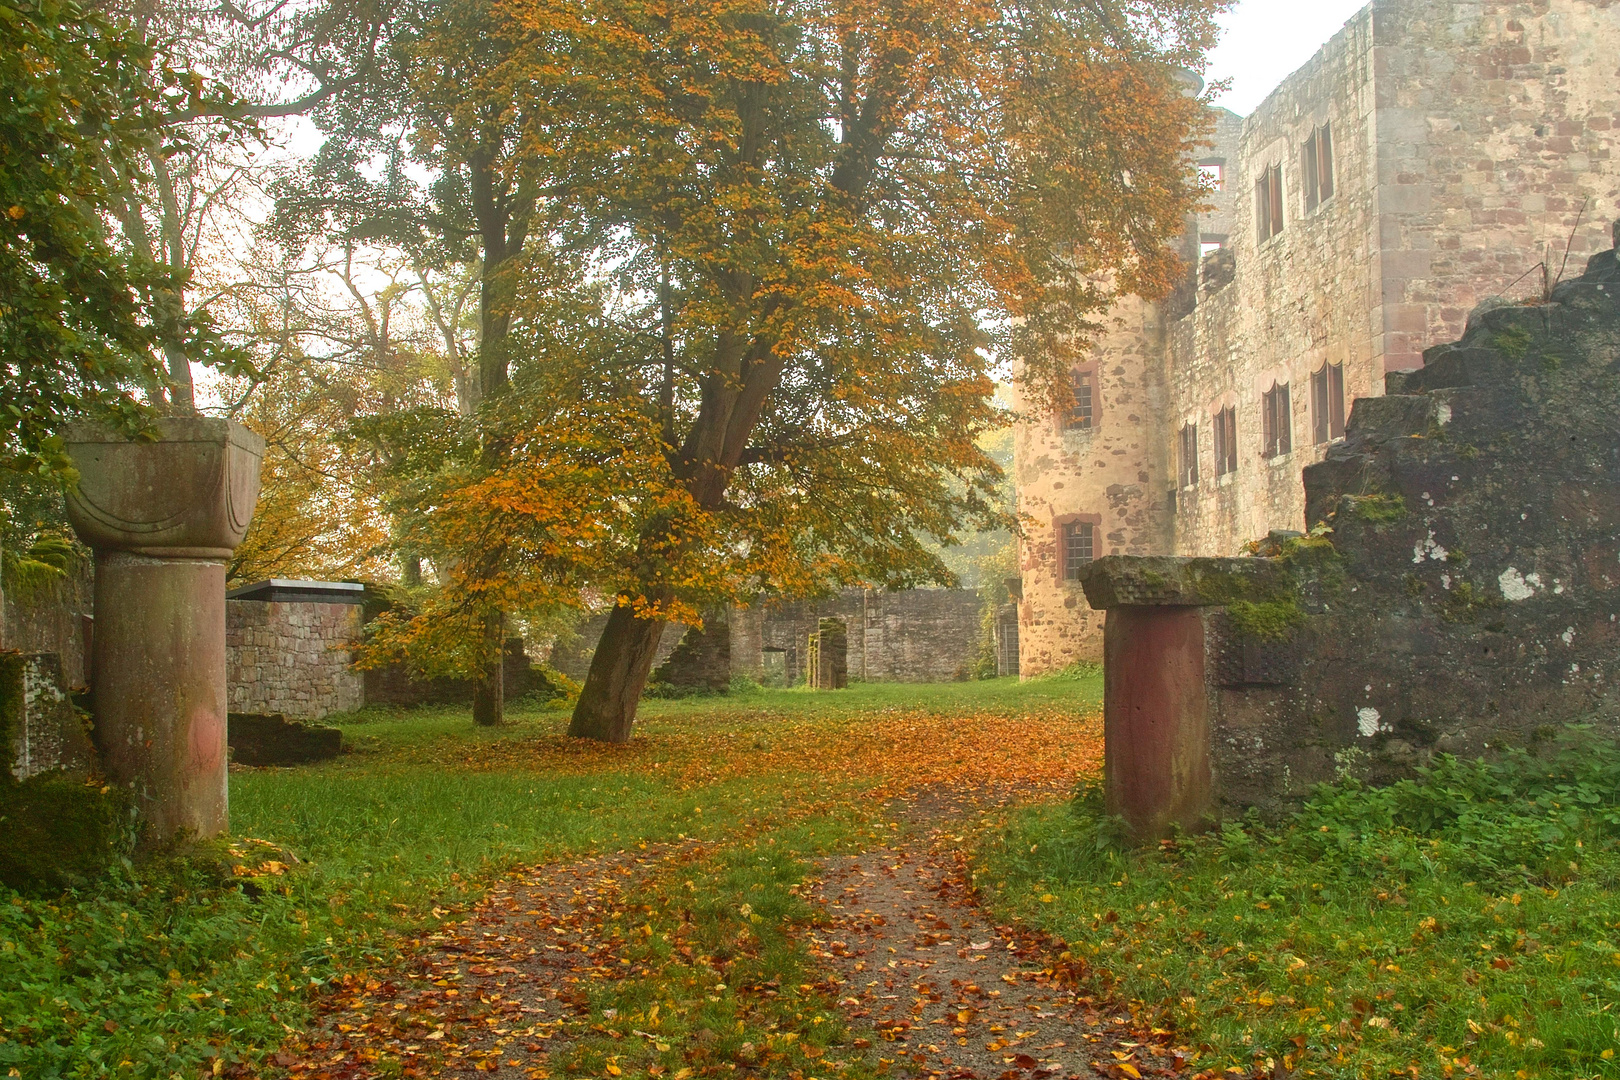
x,y
916,636
292,658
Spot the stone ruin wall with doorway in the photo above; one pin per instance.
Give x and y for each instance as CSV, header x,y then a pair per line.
x,y
1467,137
917,636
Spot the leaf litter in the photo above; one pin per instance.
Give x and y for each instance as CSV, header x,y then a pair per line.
x,y
618,965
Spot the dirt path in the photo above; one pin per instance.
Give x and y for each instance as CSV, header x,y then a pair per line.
x,y
926,980
946,993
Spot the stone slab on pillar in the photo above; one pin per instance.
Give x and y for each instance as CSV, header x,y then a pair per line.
x,y
1155,719
164,518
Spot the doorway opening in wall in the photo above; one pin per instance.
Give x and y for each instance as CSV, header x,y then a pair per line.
x,y
1278,421
1327,403
1079,540
775,673
1226,455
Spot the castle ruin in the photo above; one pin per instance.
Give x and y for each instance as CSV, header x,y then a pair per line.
x,y
1428,158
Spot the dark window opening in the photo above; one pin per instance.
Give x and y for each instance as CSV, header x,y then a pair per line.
x,y
1268,203
1277,420
1327,403
1189,455
1079,539
1226,455
1082,415
1317,163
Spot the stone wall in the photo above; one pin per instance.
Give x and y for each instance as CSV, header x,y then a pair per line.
x,y
54,621
916,636
1472,141
1467,597
292,657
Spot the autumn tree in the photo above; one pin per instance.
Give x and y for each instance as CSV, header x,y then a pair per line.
x,y
834,217
437,101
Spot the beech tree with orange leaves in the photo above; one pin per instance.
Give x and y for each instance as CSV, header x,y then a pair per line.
x,y
836,215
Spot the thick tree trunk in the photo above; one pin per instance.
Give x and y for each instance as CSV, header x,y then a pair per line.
x,y
489,693
619,671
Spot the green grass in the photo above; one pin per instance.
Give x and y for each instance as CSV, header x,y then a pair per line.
x,y
1464,921
166,969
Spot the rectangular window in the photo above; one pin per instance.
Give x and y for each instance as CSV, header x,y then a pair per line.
x,y
1214,174
1226,457
1268,203
1317,167
1189,455
1081,415
1327,403
1079,538
1277,420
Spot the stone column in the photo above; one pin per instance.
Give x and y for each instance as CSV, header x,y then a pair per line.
x,y
163,518
1158,762
1155,722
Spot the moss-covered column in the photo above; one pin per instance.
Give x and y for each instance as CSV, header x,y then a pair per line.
x,y
163,518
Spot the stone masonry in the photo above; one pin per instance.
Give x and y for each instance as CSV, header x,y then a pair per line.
x,y
292,657
1470,141
1459,593
916,635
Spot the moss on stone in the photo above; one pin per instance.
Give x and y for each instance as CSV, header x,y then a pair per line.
x,y
1271,620
11,711
1378,508
60,831
1512,342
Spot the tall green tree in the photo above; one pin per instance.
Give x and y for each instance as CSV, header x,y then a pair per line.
x,y
74,336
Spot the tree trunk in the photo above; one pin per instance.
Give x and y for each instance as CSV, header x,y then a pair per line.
x,y
619,671
489,692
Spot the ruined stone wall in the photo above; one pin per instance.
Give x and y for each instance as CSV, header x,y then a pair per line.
x,y
1472,597
1467,136
1296,301
916,636
1496,122
53,621
292,658
1110,476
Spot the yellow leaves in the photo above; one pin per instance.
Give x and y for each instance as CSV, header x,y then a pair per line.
x,y
1127,1069
16,213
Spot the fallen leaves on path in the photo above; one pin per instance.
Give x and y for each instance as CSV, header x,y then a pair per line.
x,y
1040,753
508,993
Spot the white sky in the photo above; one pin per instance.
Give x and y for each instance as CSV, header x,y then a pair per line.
x,y
1265,41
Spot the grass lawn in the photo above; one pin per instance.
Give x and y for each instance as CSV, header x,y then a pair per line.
x,y
166,973
1461,925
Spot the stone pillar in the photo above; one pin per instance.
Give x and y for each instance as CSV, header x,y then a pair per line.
x,y
1155,723
163,518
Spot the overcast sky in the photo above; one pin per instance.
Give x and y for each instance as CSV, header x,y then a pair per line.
x,y
1265,41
